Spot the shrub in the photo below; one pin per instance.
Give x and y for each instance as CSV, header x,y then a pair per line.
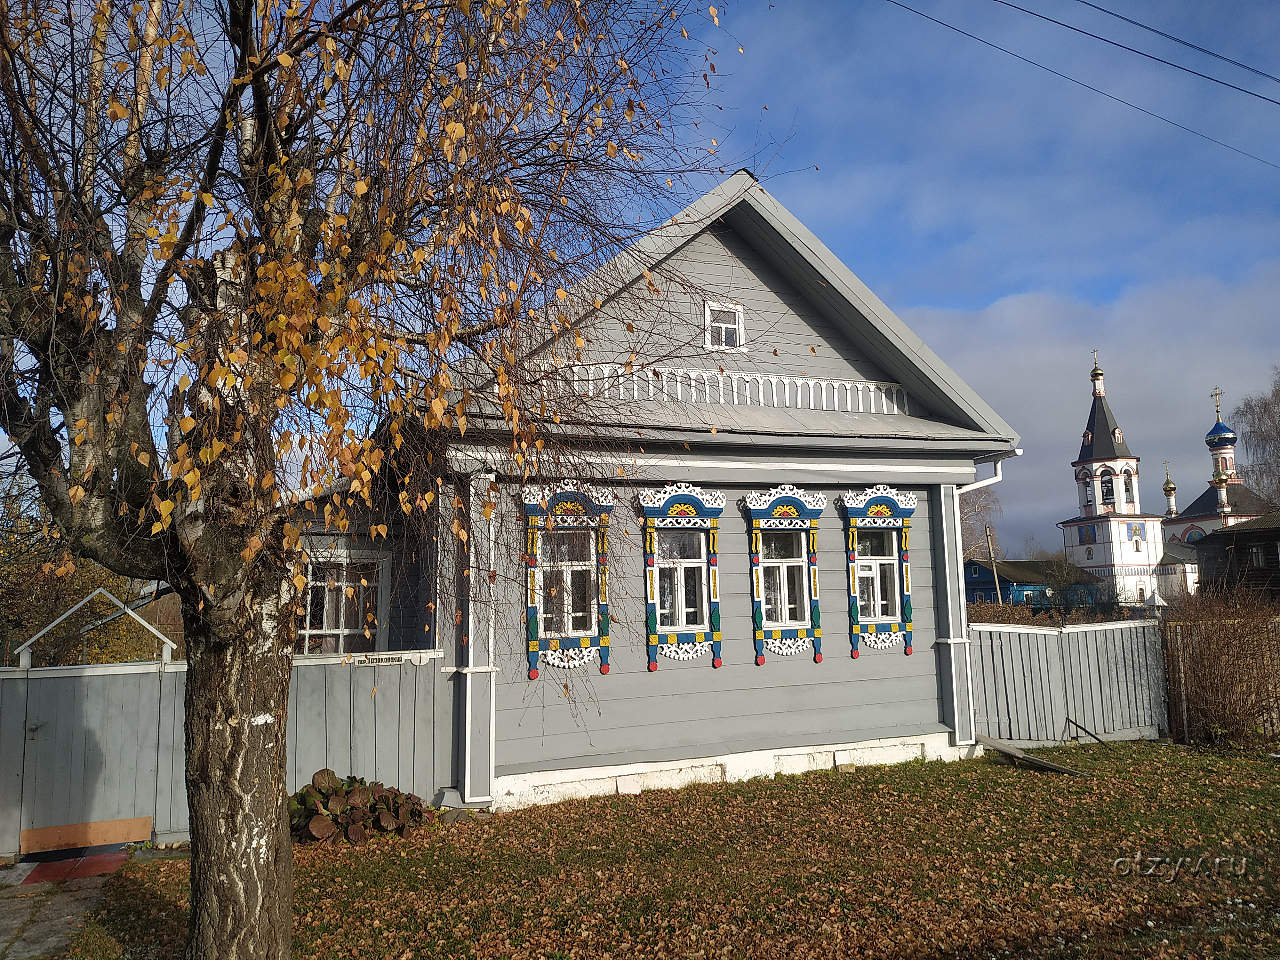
x,y
1222,648
330,809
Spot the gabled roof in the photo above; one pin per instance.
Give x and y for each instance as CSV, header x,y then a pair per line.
x,y
1243,502
745,206
1266,523
1176,552
1037,571
1099,442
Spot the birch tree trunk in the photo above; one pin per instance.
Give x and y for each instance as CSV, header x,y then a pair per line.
x,y
237,695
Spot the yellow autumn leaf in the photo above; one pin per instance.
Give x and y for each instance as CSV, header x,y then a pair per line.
x,y
285,60
360,188
187,424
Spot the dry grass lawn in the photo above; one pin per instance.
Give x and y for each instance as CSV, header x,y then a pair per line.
x,y
973,859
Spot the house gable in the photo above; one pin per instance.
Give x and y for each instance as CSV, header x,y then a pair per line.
x,y
841,354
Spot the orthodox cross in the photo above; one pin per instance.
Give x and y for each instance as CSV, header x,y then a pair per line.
x,y
1095,356
1217,396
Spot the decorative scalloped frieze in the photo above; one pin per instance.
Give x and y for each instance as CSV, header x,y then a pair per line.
x,y
905,501
759,500
654,498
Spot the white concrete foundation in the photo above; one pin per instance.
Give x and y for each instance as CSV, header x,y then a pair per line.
x,y
551,786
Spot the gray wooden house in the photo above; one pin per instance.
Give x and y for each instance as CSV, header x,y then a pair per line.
x,y
744,557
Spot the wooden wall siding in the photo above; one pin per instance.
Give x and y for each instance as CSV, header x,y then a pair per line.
x,y
572,718
106,743
1108,678
719,265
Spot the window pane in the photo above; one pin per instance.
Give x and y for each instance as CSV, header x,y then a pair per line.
x,y
796,593
566,546
581,599
780,545
552,601
866,591
875,543
315,612
888,590
772,594
730,335
359,642
693,596
667,596
326,643
680,544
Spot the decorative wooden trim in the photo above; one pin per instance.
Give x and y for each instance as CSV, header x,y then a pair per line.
x,y
682,506
94,834
879,507
567,505
785,507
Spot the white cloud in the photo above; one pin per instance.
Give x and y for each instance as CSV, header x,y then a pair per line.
x,y
1163,345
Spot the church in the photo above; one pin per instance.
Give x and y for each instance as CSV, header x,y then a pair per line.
x,y
1145,557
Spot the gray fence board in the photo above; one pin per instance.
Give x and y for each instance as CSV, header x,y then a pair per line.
x,y
99,743
1028,682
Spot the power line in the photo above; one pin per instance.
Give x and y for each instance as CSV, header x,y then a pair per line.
x,y
1186,43
1087,86
1142,53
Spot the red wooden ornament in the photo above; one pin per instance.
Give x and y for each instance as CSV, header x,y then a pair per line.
x,y
604,668
760,660
908,649
855,654
717,662
533,674
652,666
817,658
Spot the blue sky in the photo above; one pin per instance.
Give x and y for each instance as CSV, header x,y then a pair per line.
x,y
1016,221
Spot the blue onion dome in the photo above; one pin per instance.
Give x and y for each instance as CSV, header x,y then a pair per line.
x,y
1220,436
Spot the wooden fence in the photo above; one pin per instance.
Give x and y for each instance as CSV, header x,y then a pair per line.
x,y
94,754
1034,685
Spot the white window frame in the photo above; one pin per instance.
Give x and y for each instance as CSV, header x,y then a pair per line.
x,y
891,560
565,567
802,563
345,557
738,312
699,564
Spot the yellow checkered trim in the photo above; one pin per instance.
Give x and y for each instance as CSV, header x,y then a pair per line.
x,y
533,646
716,637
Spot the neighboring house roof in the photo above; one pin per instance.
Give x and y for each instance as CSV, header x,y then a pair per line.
x,y
1242,500
1177,553
1099,442
1038,571
1267,522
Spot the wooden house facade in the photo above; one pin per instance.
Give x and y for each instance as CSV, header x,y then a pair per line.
x,y
744,559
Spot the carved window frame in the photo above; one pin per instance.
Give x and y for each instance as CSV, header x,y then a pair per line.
x,y
566,505
880,507
785,507
682,506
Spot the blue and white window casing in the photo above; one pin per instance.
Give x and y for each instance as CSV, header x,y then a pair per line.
x,y
682,579
566,550
877,531
784,570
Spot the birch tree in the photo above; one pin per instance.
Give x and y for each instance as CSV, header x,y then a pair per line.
x,y
244,248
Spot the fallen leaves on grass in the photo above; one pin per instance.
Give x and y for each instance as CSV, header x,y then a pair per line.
x,y
918,860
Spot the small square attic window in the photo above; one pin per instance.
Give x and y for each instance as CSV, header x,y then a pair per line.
x,y
725,328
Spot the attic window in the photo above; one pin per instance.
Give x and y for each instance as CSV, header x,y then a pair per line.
x,y
725,327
